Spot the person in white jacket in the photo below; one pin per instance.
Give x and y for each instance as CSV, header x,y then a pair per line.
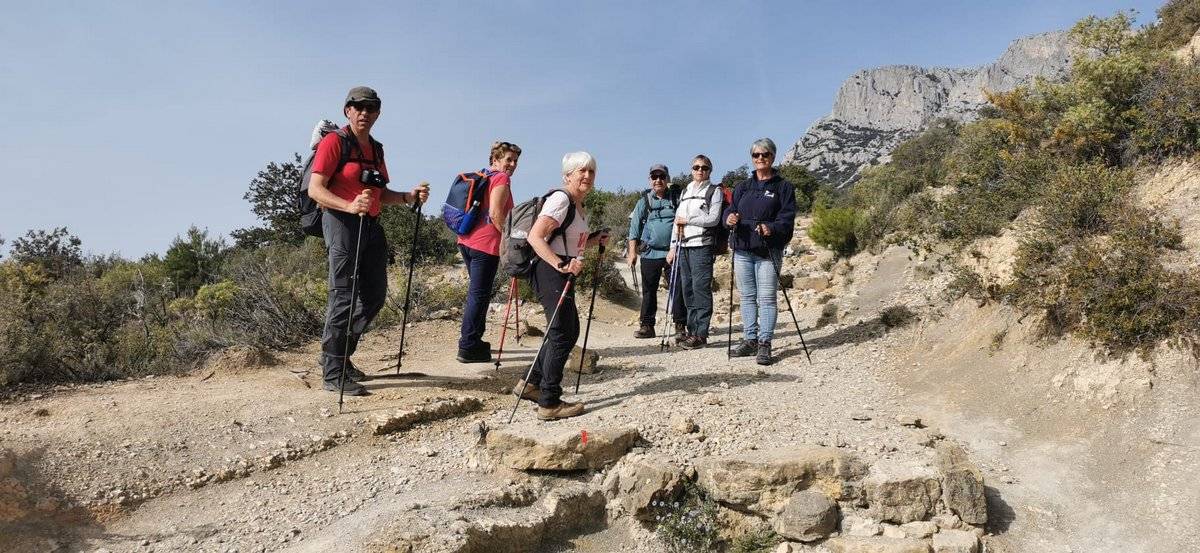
x,y
696,218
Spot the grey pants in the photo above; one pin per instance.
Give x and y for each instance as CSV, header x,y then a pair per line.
x,y
696,278
341,234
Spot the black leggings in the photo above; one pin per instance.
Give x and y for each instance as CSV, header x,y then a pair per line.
x,y
560,337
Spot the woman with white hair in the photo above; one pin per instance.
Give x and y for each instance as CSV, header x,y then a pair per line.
x,y
559,236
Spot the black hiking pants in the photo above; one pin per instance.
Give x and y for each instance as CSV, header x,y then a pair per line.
x,y
653,272
341,234
547,372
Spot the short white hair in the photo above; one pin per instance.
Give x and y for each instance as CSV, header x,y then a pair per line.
x,y
764,144
575,161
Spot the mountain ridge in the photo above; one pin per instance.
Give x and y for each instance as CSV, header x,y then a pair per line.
x,y
877,109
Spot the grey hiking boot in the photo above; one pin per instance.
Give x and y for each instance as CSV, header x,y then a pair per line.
x,y
764,353
352,388
680,331
746,348
352,372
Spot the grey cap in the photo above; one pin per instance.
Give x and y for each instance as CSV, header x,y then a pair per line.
x,y
660,167
362,94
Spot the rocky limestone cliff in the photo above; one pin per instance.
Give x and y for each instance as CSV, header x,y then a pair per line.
x,y
877,109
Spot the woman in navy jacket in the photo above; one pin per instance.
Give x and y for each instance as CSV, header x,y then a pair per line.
x,y
761,219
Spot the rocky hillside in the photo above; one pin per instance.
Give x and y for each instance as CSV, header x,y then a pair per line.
x,y
877,109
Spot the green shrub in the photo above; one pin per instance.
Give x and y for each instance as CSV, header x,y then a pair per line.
x,y
1176,25
760,540
1168,112
1081,200
688,524
834,229
897,316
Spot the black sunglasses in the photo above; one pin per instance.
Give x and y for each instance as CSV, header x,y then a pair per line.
x,y
761,155
657,176
369,107
701,168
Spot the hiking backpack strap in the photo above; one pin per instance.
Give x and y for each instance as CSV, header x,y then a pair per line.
x,y
645,214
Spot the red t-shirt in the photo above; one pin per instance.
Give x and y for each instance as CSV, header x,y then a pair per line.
x,y
484,237
347,184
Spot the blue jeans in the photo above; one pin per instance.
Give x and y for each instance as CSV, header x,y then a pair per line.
x,y
758,283
481,269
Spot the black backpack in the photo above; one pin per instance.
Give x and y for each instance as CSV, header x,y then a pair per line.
x,y
310,212
517,256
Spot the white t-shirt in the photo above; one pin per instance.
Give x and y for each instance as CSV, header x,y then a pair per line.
x,y
576,234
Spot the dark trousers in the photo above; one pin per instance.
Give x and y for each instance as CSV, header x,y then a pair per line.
x,y
652,271
547,372
481,269
341,234
696,266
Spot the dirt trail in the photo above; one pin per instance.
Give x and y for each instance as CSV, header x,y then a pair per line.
x,y
257,460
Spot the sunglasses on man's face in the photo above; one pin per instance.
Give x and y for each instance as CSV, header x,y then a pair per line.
x,y
761,155
657,176
366,107
701,168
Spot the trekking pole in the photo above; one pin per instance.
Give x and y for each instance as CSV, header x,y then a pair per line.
x,y
350,320
553,317
412,264
633,272
512,289
672,274
591,307
778,269
729,340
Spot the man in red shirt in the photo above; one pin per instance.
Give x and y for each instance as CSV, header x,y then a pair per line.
x,y
346,193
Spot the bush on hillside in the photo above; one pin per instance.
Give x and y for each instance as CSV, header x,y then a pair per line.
x,y
1177,23
834,229
1168,112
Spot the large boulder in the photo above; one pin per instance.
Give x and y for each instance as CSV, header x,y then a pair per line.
x,y
563,449
808,516
636,482
763,481
877,544
902,491
962,484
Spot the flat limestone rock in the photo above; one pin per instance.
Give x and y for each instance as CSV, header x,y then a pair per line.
x,y
902,491
955,541
563,448
876,544
763,481
962,484
442,408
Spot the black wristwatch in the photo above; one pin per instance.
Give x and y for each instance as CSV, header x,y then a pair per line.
x,y
563,264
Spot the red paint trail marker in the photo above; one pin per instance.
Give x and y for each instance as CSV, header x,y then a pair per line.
x,y
583,436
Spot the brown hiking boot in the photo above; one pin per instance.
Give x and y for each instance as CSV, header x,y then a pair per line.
x,y
694,342
646,331
563,410
527,391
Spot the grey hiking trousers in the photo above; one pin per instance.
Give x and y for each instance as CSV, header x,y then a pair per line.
x,y
341,233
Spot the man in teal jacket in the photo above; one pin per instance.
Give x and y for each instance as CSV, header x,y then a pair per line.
x,y
650,240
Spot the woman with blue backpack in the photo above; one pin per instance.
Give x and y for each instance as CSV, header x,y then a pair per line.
x,y
649,241
480,244
761,219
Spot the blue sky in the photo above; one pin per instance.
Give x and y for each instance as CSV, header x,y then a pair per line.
x,y
129,121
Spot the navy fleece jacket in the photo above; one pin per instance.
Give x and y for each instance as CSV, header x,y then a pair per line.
x,y
772,202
